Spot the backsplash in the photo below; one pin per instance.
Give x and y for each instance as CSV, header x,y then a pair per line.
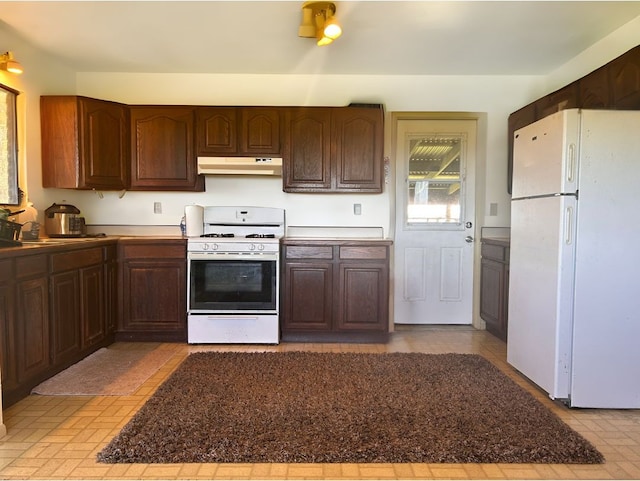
x,y
112,212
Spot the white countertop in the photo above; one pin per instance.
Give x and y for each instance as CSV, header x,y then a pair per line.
x,y
335,232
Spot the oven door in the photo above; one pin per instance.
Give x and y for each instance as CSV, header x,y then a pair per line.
x,y
232,283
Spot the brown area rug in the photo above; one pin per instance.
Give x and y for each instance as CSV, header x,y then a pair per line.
x,y
117,370
344,408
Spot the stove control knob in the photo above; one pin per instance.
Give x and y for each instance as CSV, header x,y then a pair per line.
x,y
261,247
214,247
205,247
252,247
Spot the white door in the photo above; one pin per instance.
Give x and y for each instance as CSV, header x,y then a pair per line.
x,y
435,224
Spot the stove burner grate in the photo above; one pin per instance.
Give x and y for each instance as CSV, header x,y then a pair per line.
x,y
217,235
261,236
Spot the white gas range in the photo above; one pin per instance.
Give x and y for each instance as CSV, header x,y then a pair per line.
x,y
233,274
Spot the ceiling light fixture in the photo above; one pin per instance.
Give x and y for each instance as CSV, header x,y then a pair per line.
x,y
8,63
319,21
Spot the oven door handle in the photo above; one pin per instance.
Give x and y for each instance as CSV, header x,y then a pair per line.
x,y
220,256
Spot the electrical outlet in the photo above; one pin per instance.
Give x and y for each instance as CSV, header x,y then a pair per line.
x,y
157,207
357,209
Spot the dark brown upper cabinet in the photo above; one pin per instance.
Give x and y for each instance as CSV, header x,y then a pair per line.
x,y
593,90
217,130
356,149
333,150
163,149
520,118
260,131
307,150
563,99
96,144
239,131
624,80
615,85
85,143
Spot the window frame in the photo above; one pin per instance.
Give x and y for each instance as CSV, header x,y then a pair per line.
x,y
10,137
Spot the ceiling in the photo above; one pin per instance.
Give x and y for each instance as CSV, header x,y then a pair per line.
x,y
260,37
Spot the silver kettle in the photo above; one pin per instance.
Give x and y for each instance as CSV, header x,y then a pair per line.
x,y
63,220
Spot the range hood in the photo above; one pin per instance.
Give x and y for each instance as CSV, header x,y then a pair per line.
x,y
240,165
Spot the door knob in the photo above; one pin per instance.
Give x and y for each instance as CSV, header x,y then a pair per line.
x,y
468,239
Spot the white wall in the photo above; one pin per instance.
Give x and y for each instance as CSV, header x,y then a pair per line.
x,y
614,45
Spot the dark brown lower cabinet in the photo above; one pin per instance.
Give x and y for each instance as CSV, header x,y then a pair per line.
x,y
364,295
53,312
7,324
494,286
65,308
307,296
78,302
153,290
335,291
111,288
92,285
32,318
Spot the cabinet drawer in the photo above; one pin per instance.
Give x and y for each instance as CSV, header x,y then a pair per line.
x,y
496,252
363,252
66,261
146,251
309,252
31,266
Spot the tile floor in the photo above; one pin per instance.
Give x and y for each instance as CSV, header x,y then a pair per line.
x,y
58,437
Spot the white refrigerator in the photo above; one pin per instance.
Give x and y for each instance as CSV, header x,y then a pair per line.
x,y
574,281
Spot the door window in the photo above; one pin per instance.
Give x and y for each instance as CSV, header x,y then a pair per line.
x,y
434,181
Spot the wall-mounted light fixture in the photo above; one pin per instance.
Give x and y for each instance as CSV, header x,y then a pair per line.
x,y
8,63
319,21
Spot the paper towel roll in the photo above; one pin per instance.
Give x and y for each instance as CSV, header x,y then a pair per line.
x,y
194,217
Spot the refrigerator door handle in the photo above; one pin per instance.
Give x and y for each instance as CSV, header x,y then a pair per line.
x,y
571,162
568,225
